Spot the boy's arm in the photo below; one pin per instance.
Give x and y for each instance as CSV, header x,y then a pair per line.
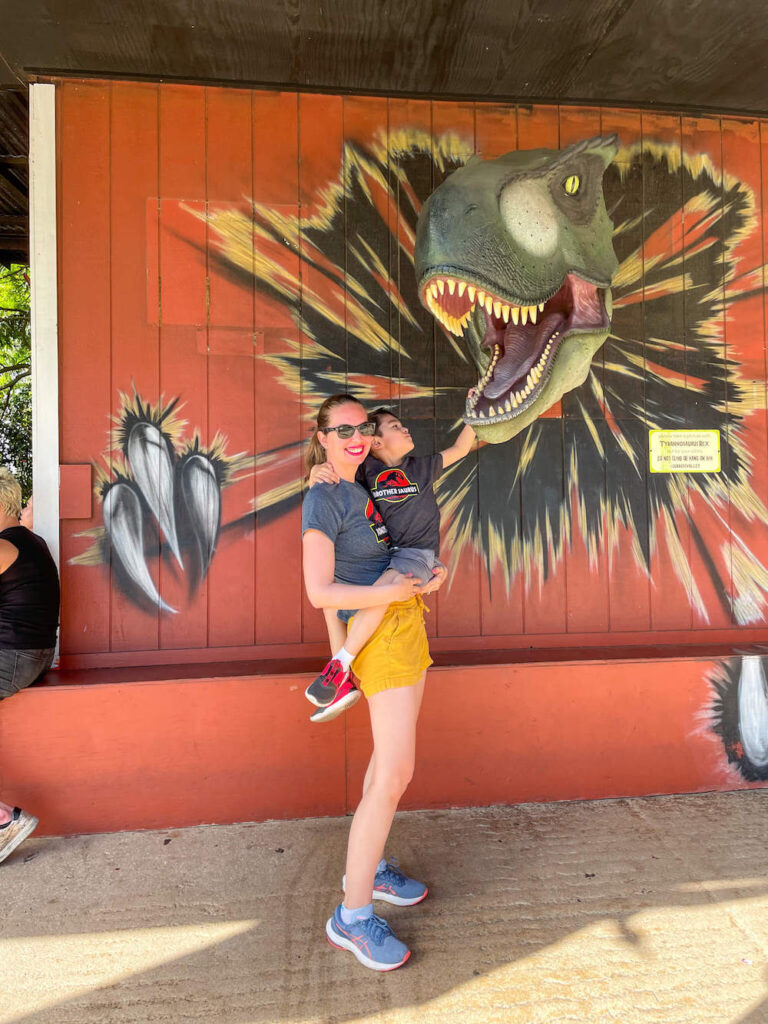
x,y
323,473
461,447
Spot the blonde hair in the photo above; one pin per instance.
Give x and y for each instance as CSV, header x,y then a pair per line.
x,y
315,452
10,494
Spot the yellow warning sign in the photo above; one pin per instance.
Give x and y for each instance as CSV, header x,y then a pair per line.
x,y
685,451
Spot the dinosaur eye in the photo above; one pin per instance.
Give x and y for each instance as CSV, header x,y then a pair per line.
x,y
572,184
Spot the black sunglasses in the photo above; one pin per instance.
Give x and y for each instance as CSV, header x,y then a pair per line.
x,y
346,430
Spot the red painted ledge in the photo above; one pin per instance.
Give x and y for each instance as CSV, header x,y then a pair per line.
x,y
116,749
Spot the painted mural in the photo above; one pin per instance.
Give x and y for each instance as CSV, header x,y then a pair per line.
x,y
656,370
160,495
739,713
268,257
514,256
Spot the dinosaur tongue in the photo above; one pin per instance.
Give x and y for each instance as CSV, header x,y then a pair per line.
x,y
521,346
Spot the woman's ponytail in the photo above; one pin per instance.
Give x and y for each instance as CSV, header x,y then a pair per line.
x,y
315,453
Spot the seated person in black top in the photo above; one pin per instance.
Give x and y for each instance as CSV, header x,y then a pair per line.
x,y
29,618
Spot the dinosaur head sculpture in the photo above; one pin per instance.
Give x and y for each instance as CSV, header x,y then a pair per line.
x,y
515,255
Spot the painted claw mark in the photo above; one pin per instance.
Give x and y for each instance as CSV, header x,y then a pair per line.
x,y
123,522
152,469
202,496
753,710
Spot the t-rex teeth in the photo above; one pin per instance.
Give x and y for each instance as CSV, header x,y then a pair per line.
x,y
451,286
524,314
515,311
433,289
481,298
508,405
481,414
462,287
505,313
532,313
471,291
488,305
541,307
497,309
441,285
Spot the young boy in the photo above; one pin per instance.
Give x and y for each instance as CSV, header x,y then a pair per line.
x,y
401,487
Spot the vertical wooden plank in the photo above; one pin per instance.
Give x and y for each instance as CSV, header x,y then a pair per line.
x,y
135,333
584,455
410,143
744,336
279,429
459,602
371,297
321,142
501,591
410,124
183,309
664,357
84,176
545,594
627,540
44,312
231,406
702,138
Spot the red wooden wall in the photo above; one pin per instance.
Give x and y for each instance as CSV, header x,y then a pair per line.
x,y
146,303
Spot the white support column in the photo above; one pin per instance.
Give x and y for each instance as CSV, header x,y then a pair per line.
x,y
44,303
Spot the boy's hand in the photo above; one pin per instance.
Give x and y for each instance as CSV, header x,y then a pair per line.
x,y
439,576
324,473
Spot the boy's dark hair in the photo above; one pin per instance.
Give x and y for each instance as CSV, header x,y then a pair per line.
x,y
378,415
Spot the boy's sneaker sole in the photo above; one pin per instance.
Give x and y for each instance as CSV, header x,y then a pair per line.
x,y
340,942
331,711
389,897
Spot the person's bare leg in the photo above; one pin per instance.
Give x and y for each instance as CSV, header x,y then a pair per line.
x,y
367,620
337,630
418,696
393,723
6,813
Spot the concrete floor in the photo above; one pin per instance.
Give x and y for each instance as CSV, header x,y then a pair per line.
x,y
652,910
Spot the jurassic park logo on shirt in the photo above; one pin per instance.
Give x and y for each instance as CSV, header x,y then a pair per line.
x,y
376,523
393,485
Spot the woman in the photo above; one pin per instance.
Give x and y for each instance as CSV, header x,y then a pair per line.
x,y
345,552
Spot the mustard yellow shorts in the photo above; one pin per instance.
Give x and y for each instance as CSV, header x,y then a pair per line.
x,y
398,652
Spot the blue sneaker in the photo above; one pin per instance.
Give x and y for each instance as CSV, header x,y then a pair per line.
x,y
371,940
392,886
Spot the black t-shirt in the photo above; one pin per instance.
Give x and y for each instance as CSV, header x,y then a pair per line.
x,y
29,594
405,497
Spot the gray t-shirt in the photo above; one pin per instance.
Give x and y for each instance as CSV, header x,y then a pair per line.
x,y
405,497
346,514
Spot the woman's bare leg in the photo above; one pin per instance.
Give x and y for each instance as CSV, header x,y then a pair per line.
x,y
418,696
393,723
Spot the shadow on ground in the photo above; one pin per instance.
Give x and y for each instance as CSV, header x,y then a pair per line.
x,y
535,912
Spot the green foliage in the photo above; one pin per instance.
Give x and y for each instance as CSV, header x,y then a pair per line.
x,y
15,375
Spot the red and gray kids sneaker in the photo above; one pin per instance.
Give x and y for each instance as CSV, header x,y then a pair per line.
x,y
323,690
346,695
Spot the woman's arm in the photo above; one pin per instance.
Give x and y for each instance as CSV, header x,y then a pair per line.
x,y
319,563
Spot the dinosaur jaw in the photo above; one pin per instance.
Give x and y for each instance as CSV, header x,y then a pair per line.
x,y
517,348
